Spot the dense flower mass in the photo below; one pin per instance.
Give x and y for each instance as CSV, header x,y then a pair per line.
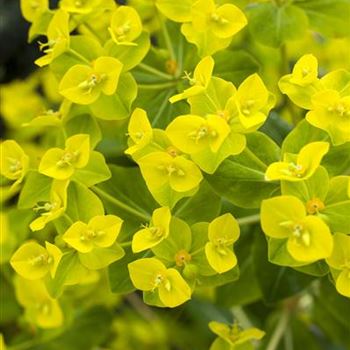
x,y
189,154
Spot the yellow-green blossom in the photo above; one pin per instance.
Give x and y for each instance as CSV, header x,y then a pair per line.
x,y
151,275
153,234
308,237
298,167
339,262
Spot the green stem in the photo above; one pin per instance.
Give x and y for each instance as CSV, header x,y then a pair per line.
x,y
167,40
121,205
157,86
242,318
125,244
155,71
279,331
248,220
79,56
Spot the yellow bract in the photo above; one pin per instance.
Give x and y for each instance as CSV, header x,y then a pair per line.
x,y
60,163
101,231
151,275
40,308
298,167
58,38
80,6
126,25
222,233
83,84
153,234
308,237
223,21
339,262
305,71
160,168
139,131
234,335
14,162
53,208
32,261
200,80
31,9
331,112
253,102
192,134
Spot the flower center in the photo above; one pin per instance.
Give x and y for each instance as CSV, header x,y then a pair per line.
x,y
156,231
301,235
14,165
92,81
295,170
67,159
45,208
39,260
339,109
90,235
202,132
314,205
161,279
246,107
215,17
182,257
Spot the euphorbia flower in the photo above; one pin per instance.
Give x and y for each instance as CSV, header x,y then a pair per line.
x,y
126,25
151,275
305,71
222,233
298,167
100,232
308,237
58,38
32,261
83,84
200,80
339,262
153,234
60,163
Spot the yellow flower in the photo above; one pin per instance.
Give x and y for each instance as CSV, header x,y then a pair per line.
x,y
339,262
151,275
200,81
32,9
40,308
223,21
60,163
139,131
83,84
305,71
32,261
101,232
331,112
298,167
58,38
308,237
160,168
14,162
152,235
222,233
126,25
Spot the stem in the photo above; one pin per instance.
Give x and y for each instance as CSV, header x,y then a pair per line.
x,y
79,56
167,40
121,205
157,86
279,331
125,244
242,318
248,220
155,71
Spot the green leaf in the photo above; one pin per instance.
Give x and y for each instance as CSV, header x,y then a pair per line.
x,y
272,25
84,124
118,273
241,179
82,203
96,171
204,206
336,161
330,18
118,105
276,283
36,189
234,66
